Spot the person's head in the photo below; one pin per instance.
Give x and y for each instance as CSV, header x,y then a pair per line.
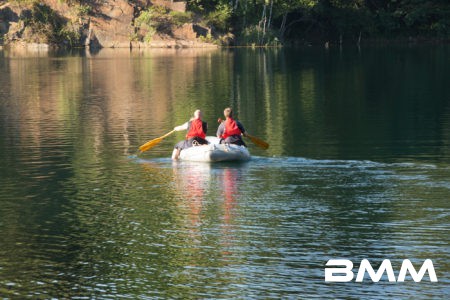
x,y
228,112
198,114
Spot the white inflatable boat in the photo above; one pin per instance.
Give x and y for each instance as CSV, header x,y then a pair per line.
x,y
215,152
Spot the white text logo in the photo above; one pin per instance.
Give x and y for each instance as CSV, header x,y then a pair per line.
x,y
342,271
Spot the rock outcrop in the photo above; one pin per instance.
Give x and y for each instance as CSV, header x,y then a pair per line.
x,y
111,26
95,24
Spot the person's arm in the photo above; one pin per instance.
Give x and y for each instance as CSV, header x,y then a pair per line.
x,y
181,127
220,130
241,127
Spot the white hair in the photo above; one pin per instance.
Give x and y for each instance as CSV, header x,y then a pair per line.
x,y
197,114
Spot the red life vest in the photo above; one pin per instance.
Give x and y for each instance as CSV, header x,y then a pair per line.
x,y
196,129
231,128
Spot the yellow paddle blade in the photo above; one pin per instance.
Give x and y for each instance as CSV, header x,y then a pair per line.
x,y
152,143
258,142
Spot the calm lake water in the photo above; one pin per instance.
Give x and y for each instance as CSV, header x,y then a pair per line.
x,y
358,167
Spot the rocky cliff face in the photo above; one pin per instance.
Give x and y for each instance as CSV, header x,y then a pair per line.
x,y
93,23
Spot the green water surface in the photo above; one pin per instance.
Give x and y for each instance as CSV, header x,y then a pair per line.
x,y
358,167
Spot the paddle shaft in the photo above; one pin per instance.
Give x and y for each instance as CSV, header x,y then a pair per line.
x,y
152,143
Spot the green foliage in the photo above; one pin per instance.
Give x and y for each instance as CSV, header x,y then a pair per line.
x,y
255,36
348,20
44,25
24,2
43,14
327,20
180,18
263,22
220,18
149,35
69,35
144,19
207,39
203,6
83,10
160,19
155,19
423,17
250,35
43,22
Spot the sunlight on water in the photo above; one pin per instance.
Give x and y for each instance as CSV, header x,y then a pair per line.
x,y
353,171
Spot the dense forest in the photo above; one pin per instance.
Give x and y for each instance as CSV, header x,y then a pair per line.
x,y
310,21
120,23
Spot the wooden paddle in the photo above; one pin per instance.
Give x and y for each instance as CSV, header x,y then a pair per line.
x,y
257,141
152,143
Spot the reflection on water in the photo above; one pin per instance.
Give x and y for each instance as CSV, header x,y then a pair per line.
x,y
191,189
358,168
305,103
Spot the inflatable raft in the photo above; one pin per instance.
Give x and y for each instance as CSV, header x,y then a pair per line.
x,y
215,152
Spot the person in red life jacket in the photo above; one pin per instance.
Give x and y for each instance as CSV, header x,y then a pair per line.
x,y
231,131
196,134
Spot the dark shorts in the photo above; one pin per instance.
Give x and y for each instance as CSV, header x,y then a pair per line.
x,y
234,139
190,142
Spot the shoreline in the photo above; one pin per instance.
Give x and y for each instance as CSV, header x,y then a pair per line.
x,y
73,27
192,45
167,43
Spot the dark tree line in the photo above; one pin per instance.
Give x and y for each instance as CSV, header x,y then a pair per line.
x,y
267,21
